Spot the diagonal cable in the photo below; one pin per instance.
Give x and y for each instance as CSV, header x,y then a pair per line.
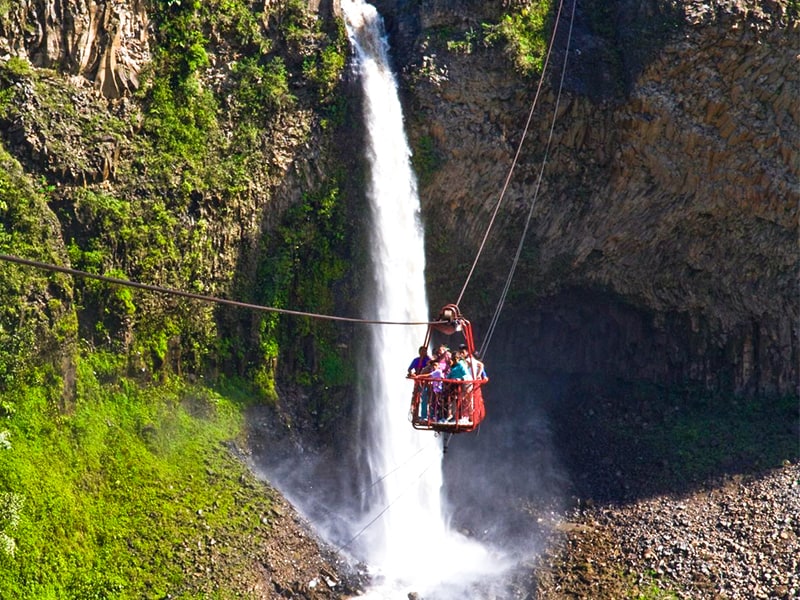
x,y
501,302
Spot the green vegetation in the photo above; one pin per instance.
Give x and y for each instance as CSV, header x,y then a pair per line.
x,y
713,434
426,160
324,68
649,588
184,148
180,118
149,244
108,456
673,439
17,67
307,264
522,32
525,34
74,142
260,87
5,8
467,45
105,502
41,327
182,127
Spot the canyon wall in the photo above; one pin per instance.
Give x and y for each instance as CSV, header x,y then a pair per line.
x,y
663,242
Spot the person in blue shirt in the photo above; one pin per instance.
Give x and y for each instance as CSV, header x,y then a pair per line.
x,y
419,362
459,369
420,365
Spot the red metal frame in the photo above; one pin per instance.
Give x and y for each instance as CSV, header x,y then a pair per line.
x,y
448,405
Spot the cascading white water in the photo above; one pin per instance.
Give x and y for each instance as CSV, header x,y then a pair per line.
x,y
405,537
398,257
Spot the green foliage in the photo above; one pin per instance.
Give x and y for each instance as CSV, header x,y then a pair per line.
x,y
426,159
181,122
180,41
184,149
305,264
13,70
30,307
694,435
180,118
113,491
324,69
122,296
80,134
467,44
152,245
295,22
264,382
701,440
335,113
17,67
650,589
261,87
237,16
525,34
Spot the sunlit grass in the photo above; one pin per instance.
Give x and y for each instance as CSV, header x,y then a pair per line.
x,y
111,491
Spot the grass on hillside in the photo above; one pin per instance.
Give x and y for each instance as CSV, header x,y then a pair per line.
x,y
113,498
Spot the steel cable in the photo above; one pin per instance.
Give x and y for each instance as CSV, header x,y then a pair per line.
x,y
495,317
200,297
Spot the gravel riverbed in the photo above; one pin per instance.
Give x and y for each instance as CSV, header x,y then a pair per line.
x,y
738,538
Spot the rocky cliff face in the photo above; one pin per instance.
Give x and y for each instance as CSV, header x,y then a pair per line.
x,y
663,240
104,42
664,230
71,115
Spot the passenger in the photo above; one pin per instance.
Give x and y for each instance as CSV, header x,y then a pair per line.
x,y
459,369
477,368
432,392
436,373
419,362
477,373
443,357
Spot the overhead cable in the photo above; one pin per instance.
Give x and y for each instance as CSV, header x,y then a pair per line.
x,y
514,263
516,156
203,298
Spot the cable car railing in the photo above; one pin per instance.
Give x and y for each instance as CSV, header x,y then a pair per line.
x,y
446,405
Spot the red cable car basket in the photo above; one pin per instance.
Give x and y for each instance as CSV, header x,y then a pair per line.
x,y
449,405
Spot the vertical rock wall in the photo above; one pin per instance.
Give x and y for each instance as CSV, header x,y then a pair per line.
x,y
105,42
666,224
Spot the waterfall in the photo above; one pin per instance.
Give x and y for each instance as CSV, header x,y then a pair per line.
x,y
404,538
398,263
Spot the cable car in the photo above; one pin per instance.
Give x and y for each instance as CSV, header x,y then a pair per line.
x,y
440,403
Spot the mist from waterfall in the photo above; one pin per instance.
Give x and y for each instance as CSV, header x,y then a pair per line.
x,y
403,535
